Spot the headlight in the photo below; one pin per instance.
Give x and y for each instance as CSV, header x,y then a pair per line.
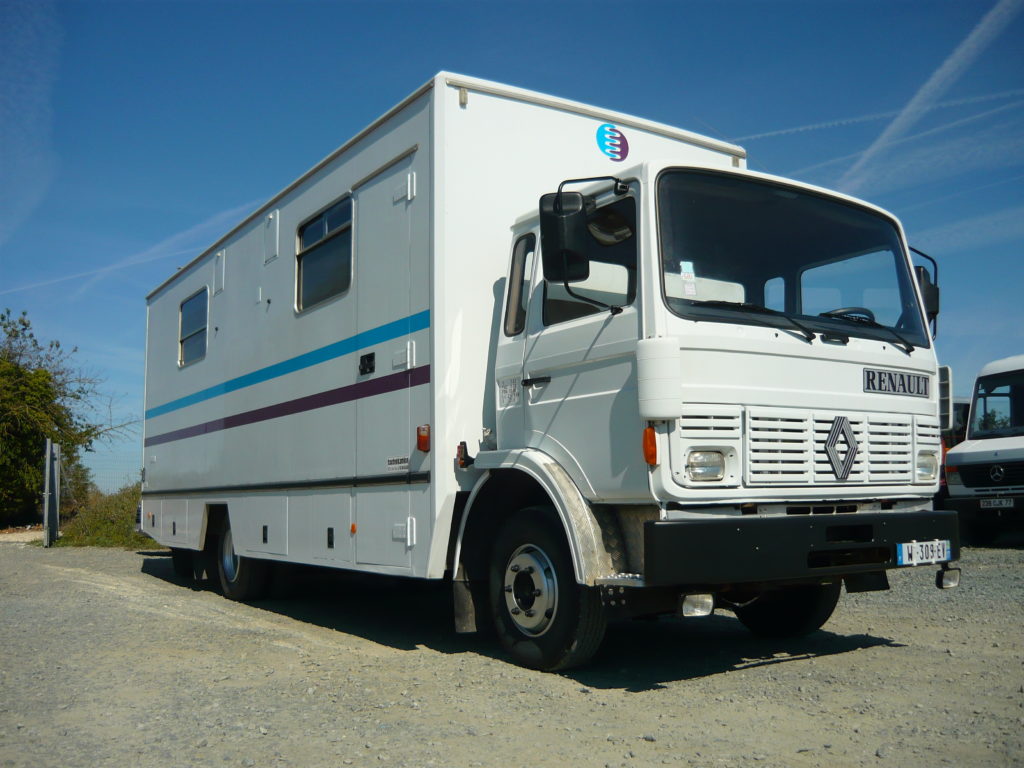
x,y
953,476
704,466
927,467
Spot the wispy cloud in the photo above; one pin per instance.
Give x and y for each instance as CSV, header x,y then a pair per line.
x,y
30,43
975,233
844,121
189,242
994,22
951,165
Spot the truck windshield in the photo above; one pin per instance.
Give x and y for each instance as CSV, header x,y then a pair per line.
x,y
740,250
998,409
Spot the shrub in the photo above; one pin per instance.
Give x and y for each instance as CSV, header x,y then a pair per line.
x,y
107,520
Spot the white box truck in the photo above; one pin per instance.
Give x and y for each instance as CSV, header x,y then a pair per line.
x,y
985,472
584,365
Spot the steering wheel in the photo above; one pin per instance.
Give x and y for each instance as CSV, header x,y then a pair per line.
x,y
850,311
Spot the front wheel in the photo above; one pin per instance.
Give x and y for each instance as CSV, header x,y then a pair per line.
x,y
241,578
544,619
790,611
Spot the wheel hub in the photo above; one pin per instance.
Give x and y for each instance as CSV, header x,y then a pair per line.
x,y
531,589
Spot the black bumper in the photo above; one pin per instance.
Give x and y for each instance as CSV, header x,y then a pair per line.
x,y
751,550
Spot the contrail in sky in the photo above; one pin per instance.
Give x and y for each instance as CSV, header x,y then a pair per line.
x,y
181,244
843,121
942,78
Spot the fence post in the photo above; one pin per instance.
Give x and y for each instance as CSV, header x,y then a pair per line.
x,y
51,494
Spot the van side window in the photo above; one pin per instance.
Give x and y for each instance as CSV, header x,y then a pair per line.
x,y
515,303
192,328
612,251
324,260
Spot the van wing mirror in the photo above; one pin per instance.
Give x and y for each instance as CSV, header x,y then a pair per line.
x,y
929,293
564,237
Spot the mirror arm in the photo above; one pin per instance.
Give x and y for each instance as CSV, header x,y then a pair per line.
x,y
611,308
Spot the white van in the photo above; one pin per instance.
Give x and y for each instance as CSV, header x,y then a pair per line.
x,y
985,472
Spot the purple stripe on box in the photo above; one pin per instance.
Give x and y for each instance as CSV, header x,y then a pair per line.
x,y
390,383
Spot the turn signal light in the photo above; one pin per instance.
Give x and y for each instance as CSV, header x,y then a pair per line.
x,y
650,447
423,438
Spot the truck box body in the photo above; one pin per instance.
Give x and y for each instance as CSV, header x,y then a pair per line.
x,y
382,370
276,415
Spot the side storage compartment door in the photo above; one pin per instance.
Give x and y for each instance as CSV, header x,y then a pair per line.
x,y
385,434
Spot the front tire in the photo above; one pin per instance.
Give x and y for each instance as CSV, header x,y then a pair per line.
x,y
790,611
241,578
544,619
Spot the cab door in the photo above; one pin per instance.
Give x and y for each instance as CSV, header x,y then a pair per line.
x,y
580,403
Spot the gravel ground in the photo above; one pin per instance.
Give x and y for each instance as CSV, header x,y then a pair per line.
x,y
106,659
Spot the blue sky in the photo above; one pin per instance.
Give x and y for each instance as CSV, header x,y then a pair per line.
x,y
133,134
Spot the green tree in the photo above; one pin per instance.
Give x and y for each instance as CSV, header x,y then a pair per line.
x,y
42,395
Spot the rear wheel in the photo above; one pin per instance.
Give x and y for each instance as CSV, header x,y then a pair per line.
x,y
544,619
241,578
790,611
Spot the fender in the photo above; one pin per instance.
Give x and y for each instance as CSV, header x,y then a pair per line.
x,y
591,560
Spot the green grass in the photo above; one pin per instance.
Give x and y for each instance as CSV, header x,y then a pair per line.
x,y
107,520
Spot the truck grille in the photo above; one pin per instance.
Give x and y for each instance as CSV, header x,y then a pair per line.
x,y
980,475
786,447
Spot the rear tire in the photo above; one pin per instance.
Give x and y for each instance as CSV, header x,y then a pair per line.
x,y
544,619
790,611
241,578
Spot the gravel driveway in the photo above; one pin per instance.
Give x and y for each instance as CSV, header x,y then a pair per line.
x,y
107,659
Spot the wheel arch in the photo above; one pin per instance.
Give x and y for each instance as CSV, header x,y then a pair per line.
x,y
522,479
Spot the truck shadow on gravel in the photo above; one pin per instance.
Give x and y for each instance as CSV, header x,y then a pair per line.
x,y
409,614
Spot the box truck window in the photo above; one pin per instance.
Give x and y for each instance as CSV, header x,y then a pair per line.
x,y
612,255
192,328
324,260
515,306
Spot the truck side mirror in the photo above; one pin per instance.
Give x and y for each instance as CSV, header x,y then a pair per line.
x,y
929,293
564,237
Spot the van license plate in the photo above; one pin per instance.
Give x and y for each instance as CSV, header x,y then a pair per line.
x,y
922,552
997,503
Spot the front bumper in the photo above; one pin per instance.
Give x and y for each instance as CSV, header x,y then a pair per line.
x,y
756,550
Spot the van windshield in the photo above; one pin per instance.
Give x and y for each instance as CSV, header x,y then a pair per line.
x,y
740,250
998,408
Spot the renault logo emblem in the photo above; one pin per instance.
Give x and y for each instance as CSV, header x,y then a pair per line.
x,y
841,429
997,473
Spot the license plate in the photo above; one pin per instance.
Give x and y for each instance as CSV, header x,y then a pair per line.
x,y
997,503
922,552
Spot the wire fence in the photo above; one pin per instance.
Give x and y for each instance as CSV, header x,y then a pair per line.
x,y
112,472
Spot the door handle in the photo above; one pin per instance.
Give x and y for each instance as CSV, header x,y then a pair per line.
x,y
536,380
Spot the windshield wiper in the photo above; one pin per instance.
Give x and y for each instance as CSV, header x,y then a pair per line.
x,y
859,319
746,306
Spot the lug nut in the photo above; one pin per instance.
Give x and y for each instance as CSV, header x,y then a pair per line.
x,y
515,611
530,614
514,568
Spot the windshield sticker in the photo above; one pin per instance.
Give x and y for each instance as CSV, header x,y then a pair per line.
x,y
689,277
612,142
